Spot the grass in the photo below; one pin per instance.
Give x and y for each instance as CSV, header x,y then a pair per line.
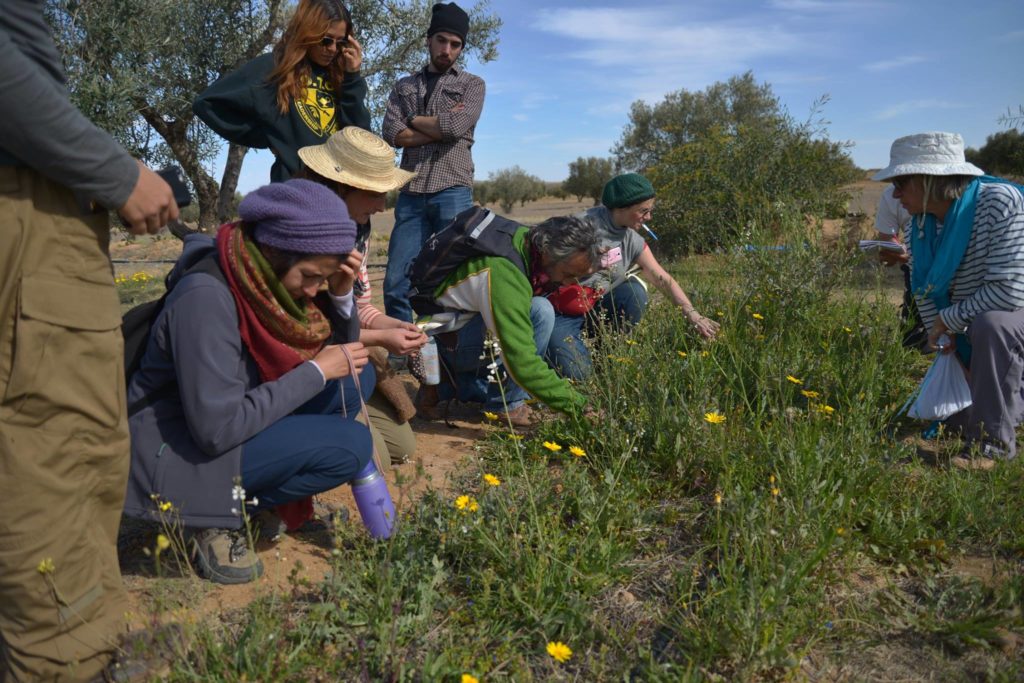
x,y
801,537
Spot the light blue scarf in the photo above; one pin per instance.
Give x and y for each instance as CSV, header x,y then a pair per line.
x,y
937,258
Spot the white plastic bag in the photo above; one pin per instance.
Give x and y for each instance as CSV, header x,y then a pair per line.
x,y
944,390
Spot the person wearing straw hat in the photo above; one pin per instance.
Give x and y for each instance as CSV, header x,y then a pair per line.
x,y
966,254
247,394
360,168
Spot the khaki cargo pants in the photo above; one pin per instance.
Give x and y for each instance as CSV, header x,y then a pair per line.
x,y
63,436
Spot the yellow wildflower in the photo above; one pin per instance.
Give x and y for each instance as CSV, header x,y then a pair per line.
x,y
492,480
577,451
771,478
824,409
559,651
718,497
490,416
775,492
809,394
757,316
473,505
704,354
682,354
46,566
462,502
166,506
714,418
466,678
162,543
794,380
515,437
631,342
552,446
840,531
847,330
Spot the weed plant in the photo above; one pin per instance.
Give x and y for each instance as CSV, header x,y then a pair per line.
x,y
747,509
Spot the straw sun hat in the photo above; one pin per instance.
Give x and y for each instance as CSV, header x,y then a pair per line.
x,y
356,157
928,154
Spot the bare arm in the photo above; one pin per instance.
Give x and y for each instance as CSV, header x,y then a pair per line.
x,y
669,287
410,137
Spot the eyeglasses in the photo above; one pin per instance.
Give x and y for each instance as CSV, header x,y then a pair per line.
x,y
646,213
901,182
328,41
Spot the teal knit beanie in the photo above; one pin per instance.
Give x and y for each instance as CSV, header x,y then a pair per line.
x,y
626,190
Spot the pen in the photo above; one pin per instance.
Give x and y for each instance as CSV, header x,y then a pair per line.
x,y
649,231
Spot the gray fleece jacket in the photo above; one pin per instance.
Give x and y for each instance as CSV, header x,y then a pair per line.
x,y
187,444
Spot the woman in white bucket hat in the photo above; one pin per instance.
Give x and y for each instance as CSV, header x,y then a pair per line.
x,y
966,251
360,167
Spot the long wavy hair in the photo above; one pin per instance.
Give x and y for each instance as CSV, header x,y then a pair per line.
x,y
310,23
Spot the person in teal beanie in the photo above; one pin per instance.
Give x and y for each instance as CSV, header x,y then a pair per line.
x,y
615,291
299,95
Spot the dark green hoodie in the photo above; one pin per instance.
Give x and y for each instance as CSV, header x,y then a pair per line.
x,y
242,108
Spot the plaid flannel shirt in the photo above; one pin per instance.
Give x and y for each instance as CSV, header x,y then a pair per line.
x,y
449,162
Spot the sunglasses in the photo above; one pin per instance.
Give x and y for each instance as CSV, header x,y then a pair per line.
x,y
328,41
901,183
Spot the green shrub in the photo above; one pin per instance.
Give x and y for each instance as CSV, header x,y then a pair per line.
x,y
714,191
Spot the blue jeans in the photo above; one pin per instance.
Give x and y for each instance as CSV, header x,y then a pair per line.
x,y
417,218
470,371
624,306
317,448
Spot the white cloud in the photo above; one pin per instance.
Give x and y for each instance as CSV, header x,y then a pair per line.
x,y
824,5
1011,37
895,63
915,105
664,51
520,117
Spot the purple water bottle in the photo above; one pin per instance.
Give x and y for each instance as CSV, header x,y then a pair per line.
x,y
374,501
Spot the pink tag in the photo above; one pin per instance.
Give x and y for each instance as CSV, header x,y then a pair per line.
x,y
611,257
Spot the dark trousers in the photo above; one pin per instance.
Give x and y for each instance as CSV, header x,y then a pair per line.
x,y
315,449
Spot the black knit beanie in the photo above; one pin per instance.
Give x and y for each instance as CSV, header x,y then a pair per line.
x,y
449,18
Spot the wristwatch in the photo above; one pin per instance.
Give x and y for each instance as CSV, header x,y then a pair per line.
x,y
408,121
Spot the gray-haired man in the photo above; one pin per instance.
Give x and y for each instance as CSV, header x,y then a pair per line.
x,y
513,308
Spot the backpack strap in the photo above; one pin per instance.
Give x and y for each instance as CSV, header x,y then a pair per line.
x,y
210,265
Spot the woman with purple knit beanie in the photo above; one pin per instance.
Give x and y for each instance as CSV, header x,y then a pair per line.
x,y
251,379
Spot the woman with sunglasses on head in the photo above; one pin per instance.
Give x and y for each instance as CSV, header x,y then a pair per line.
x,y
300,94
615,291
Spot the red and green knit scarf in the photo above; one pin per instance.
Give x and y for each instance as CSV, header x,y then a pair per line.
x,y
279,332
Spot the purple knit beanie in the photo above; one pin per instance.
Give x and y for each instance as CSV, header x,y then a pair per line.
x,y
299,216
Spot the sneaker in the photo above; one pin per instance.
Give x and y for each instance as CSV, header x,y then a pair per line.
x,y
978,457
224,556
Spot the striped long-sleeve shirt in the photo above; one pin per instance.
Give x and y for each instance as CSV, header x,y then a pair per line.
x,y
367,311
991,274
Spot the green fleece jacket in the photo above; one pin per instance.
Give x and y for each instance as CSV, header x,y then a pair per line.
x,y
241,107
496,289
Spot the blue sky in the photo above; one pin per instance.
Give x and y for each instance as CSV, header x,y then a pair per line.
x,y
568,71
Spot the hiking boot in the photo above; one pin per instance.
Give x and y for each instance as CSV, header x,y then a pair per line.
x,y
224,556
144,655
428,403
267,526
522,416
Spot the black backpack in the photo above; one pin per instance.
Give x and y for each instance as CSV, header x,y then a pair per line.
x,y
474,232
137,323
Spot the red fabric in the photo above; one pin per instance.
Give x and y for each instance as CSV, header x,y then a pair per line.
x,y
574,299
273,357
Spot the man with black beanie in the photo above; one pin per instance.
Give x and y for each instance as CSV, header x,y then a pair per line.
x,y
431,115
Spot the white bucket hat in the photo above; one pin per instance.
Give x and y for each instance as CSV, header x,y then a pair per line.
x,y
356,157
927,154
